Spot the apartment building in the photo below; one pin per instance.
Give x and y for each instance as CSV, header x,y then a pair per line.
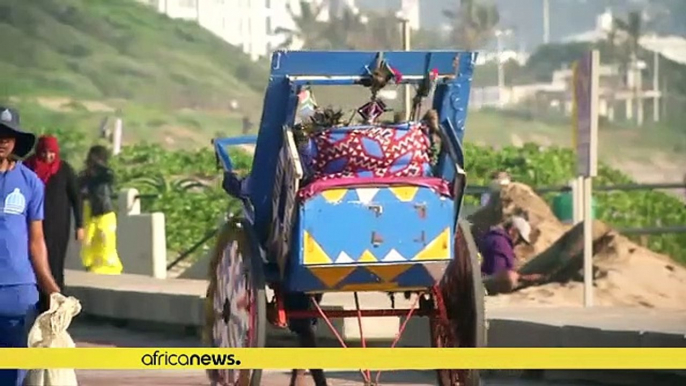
x,y
241,23
249,24
406,9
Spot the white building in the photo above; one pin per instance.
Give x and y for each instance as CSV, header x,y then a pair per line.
x,y
406,9
242,23
249,24
409,9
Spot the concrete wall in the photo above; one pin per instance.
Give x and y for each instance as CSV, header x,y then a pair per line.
x,y
141,239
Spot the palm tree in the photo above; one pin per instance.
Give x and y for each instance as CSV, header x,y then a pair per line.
x,y
346,32
161,184
630,32
474,23
308,29
632,29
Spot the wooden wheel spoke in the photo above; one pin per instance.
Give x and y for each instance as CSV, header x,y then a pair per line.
x,y
458,319
238,302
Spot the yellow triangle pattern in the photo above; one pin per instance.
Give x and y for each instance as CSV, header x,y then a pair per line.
x,y
334,195
404,193
388,272
437,249
331,276
367,257
313,253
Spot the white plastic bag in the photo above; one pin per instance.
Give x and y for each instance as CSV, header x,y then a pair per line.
x,y
50,330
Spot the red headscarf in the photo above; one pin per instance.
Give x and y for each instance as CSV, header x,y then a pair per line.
x,y
44,169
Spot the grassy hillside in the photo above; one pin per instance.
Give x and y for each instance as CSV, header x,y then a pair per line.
x,y
119,50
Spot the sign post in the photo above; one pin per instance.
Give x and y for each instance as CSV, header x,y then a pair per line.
x,y
117,136
586,90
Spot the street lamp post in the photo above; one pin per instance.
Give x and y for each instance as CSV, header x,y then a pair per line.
x,y
546,22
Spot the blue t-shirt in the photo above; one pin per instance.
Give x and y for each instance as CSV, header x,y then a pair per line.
x,y
21,202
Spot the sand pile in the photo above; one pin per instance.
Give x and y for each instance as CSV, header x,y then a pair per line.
x,y
520,199
626,274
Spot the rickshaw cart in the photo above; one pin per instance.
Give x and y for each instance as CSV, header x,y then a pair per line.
x,y
390,231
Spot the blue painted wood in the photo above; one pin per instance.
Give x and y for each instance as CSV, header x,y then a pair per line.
x,y
326,221
350,63
346,227
281,101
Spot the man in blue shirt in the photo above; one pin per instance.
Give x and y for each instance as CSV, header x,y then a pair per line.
x,y
23,255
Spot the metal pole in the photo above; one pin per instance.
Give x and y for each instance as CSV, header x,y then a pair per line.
x,y
656,86
117,136
639,96
588,241
501,70
546,22
588,180
665,100
577,199
406,47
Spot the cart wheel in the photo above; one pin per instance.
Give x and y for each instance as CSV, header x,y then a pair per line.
x,y
238,300
459,301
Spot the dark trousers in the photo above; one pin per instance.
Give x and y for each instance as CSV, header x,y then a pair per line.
x,y
57,253
17,314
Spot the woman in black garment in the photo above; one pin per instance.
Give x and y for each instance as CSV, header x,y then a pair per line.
x,y
62,198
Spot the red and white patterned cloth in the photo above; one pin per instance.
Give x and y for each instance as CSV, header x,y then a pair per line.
x,y
370,151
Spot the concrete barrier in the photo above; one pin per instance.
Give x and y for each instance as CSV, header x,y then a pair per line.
x,y
141,239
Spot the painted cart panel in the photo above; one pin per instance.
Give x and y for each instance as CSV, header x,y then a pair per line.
x,y
372,238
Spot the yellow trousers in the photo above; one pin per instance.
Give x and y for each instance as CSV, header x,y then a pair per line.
x,y
99,249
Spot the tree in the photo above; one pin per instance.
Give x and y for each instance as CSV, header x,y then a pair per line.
x,y
631,29
347,32
549,58
381,32
473,22
308,29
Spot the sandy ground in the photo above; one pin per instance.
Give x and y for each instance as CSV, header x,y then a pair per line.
x,y
627,277
626,274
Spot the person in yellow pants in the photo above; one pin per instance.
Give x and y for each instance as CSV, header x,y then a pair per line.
x,y
99,250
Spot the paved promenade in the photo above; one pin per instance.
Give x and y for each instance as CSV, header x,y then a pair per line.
x,y
179,302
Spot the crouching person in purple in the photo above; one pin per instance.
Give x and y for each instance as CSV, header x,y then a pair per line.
x,y
498,257
23,255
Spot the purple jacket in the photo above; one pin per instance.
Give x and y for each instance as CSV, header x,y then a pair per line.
x,y
497,252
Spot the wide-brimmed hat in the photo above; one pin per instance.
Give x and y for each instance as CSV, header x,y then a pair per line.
x,y
9,121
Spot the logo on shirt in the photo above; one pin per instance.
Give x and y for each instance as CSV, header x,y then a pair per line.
x,y
6,116
15,203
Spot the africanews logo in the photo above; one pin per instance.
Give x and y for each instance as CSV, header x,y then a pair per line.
x,y
208,360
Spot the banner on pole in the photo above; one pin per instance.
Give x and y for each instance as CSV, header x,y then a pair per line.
x,y
585,113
